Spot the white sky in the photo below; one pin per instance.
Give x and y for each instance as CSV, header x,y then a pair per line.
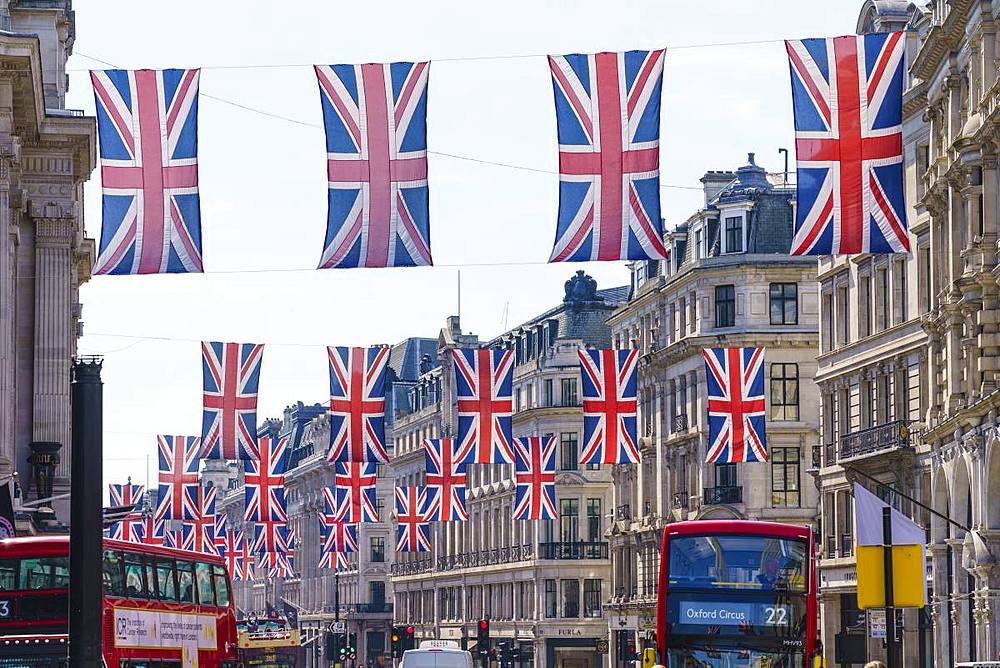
x,y
263,192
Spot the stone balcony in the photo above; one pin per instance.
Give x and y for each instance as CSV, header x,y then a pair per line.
x,y
874,442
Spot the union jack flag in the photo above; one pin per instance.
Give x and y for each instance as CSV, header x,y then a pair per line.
x,y
736,409
357,404
178,488
412,529
329,558
609,406
375,117
354,497
148,122
847,97
125,495
233,553
446,478
199,533
276,564
484,380
269,537
608,118
231,372
220,531
153,531
535,478
289,553
339,536
129,529
173,538
264,482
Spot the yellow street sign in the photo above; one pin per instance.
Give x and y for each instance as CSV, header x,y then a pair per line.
x,y
908,576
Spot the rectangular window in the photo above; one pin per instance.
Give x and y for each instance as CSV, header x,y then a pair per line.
x,y
593,520
591,598
899,296
550,598
135,586
734,234
114,577
725,306
549,399
569,520
167,588
378,548
570,598
569,457
376,592
698,241
725,475
379,508
784,391
568,388
864,306
185,581
221,585
785,477
784,303
203,580
883,278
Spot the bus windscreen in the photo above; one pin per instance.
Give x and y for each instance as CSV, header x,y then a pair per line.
x,y
755,563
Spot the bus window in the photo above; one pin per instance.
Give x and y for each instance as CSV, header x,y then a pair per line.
x,y
37,573
60,574
150,578
8,574
185,581
165,580
203,576
134,587
221,586
114,581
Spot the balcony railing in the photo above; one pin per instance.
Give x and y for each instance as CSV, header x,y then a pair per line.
x,y
715,496
382,608
411,567
497,555
573,550
681,500
623,512
874,440
679,423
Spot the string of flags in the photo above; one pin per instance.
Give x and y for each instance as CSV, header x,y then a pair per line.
x,y
846,101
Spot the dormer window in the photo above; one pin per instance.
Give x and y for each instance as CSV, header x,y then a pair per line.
x,y
699,240
733,235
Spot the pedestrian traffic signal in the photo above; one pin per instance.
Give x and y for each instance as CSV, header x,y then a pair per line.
x,y
409,638
397,642
352,646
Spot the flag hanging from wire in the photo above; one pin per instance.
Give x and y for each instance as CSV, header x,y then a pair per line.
x,y
230,374
736,408
147,124
125,495
444,461
353,497
609,406
484,382
608,121
177,492
412,527
847,98
375,116
535,478
264,482
357,404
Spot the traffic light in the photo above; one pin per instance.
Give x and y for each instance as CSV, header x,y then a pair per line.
x,y
397,642
352,646
409,637
483,637
331,645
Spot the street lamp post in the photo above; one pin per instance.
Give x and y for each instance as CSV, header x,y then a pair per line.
x,y
86,514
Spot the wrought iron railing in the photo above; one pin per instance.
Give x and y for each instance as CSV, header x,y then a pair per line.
x,y
884,437
573,550
681,500
719,495
679,423
491,557
411,567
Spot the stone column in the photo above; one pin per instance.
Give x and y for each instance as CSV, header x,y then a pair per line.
x,y
55,235
8,248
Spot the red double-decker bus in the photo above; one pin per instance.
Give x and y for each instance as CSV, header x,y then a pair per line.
x,y
737,594
163,608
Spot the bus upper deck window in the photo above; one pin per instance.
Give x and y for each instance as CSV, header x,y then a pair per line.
x,y
203,577
114,580
8,574
185,581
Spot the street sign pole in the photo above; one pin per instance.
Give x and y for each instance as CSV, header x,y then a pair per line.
x,y
891,649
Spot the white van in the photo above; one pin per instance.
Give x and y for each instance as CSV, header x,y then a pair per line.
x,y
437,654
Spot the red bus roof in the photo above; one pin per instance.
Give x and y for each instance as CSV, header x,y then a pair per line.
x,y
700,527
55,546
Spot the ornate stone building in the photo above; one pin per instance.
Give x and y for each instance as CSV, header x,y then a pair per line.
x,y
910,351
46,154
728,281
541,584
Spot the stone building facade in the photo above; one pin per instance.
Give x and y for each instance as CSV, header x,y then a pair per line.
x,y
910,351
47,152
728,281
541,584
